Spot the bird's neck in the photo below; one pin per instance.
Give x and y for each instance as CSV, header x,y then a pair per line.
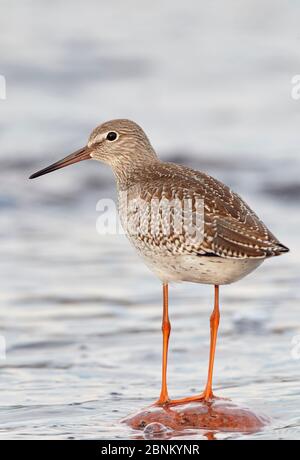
x,y
130,172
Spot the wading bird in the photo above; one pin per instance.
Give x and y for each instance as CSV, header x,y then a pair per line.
x,y
232,242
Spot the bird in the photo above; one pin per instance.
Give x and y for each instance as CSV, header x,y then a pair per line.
x,y
186,225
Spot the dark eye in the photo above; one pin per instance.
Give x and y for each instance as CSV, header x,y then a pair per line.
x,y
111,136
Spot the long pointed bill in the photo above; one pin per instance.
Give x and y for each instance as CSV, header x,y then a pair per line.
x,y
79,155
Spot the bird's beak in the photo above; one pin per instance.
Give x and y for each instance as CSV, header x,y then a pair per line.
x,y
79,155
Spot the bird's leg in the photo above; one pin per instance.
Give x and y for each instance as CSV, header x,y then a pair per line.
x,y
166,329
207,394
214,326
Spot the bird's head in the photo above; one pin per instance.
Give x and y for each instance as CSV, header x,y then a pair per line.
x,y
118,143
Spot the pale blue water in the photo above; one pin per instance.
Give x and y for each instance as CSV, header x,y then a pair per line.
x,y
80,314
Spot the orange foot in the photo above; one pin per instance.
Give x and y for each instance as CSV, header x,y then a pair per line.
x,y
162,402
205,396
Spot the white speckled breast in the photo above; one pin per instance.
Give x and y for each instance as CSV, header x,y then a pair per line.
x,y
230,240
201,269
166,262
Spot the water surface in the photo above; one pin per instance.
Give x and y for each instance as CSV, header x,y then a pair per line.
x,y
79,312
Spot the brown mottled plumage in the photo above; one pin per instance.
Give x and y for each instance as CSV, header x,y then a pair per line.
x,y
232,229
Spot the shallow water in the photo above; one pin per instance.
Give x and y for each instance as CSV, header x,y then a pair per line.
x,y
79,312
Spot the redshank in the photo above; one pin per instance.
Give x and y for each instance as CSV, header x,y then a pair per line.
x,y
185,224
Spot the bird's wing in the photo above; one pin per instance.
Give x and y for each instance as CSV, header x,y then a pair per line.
x,y
235,230
231,228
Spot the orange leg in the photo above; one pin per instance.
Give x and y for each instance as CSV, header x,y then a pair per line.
x,y
166,329
214,325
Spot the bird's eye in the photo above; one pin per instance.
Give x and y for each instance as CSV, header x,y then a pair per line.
x,y
111,136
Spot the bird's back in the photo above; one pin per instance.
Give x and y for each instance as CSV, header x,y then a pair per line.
x,y
230,229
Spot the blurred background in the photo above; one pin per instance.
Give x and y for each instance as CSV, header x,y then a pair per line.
x,y
211,84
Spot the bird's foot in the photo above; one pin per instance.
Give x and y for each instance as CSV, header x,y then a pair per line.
x,y
163,400
206,396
